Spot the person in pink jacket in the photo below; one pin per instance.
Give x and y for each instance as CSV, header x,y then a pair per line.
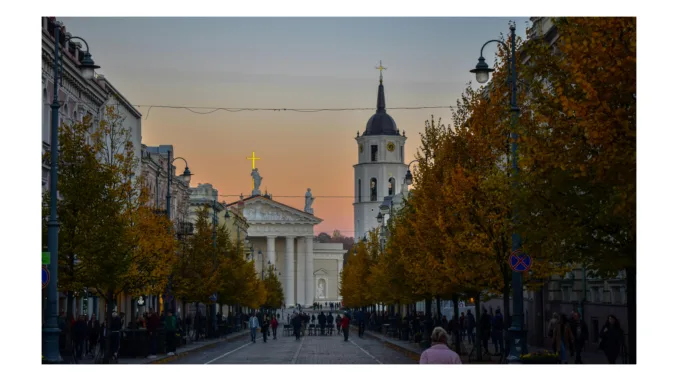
x,y
439,353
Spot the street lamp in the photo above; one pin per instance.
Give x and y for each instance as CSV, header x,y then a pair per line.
x,y
186,177
482,72
50,330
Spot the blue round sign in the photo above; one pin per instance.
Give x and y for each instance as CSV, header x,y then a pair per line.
x,y
520,262
45,277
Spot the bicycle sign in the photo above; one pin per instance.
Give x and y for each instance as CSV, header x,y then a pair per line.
x,y
519,261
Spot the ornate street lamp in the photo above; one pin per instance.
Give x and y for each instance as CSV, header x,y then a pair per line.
x,y
50,331
518,334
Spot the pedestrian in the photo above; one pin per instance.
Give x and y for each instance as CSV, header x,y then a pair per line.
x,y
170,332
79,335
274,326
344,325
296,325
361,323
612,339
313,319
330,323
462,326
497,332
93,332
116,327
563,338
581,335
439,352
485,329
264,326
338,323
322,320
253,325
553,324
153,324
470,322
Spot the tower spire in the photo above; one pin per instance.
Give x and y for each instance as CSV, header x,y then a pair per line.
x,y
381,99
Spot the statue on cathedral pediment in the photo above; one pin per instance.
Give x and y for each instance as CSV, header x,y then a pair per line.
x,y
309,201
257,182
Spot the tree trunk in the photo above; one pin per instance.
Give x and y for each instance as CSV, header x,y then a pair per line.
x,y
631,309
69,317
109,323
507,306
479,349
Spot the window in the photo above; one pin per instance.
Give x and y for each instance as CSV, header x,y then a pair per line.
x,y
566,294
373,189
616,295
402,154
45,117
391,186
360,192
595,294
374,152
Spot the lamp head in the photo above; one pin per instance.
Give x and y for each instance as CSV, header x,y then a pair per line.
x,y
87,66
482,71
380,218
408,178
186,176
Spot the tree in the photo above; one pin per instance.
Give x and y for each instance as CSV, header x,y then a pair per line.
x,y
578,158
354,287
111,242
274,290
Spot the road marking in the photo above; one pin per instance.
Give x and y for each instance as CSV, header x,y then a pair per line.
x,y
296,355
228,353
366,352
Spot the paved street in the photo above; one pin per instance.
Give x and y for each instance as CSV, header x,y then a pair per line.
x,y
309,350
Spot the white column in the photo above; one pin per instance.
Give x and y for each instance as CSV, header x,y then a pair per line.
x,y
270,251
310,290
289,271
340,268
301,279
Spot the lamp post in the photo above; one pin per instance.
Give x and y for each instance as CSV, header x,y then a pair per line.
x,y
482,71
408,178
50,330
186,176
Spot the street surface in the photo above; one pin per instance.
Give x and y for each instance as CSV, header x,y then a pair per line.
x,y
309,350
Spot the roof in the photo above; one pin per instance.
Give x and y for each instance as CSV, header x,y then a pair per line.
x,y
276,202
381,123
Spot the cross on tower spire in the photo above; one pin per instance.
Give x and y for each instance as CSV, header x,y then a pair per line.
x,y
380,68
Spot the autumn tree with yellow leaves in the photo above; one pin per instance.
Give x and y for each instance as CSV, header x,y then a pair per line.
x,y
111,242
578,158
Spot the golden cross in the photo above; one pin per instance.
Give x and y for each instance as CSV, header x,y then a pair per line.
x,y
254,158
380,68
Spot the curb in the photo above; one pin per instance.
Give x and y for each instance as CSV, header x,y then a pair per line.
x,y
168,359
407,352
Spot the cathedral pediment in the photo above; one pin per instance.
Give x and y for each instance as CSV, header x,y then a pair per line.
x,y
263,210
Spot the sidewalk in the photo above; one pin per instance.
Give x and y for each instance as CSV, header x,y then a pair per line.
x,y
413,350
182,351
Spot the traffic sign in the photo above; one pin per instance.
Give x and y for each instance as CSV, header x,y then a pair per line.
x,y
213,297
45,258
45,277
519,261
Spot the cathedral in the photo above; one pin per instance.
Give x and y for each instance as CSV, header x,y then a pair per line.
x,y
381,167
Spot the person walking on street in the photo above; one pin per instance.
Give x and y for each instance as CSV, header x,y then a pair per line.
x,y
344,325
553,324
612,339
361,323
330,322
485,329
581,335
93,332
338,322
153,324
497,330
264,326
171,331
274,326
296,325
322,320
253,325
79,336
439,352
470,322
563,338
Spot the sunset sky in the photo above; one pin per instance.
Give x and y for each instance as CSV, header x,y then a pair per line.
x,y
285,63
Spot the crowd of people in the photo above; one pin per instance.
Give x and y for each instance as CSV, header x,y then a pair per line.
x,y
571,334
300,323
